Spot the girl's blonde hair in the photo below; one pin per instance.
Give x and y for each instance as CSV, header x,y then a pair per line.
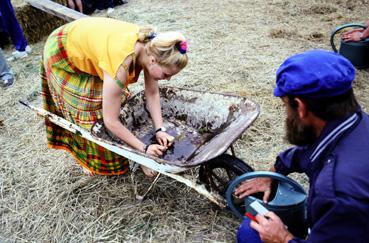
x,y
165,46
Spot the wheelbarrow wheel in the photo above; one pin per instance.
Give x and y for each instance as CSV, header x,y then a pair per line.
x,y
217,173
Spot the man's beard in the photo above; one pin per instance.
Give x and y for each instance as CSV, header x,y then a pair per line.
x,y
298,133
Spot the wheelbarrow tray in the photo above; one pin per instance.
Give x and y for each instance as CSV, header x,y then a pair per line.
x,y
205,124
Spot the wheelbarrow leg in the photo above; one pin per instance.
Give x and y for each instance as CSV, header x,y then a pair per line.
x,y
137,195
142,197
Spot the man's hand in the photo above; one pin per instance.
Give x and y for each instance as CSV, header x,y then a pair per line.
x,y
164,139
271,229
261,184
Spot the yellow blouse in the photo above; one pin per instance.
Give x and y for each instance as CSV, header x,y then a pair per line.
x,y
95,44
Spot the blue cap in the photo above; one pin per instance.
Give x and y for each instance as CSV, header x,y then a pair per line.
x,y
314,74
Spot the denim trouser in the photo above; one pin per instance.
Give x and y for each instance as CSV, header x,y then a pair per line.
x,y
4,68
10,25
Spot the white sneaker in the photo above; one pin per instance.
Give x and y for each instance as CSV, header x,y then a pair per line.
x,y
28,49
19,54
110,11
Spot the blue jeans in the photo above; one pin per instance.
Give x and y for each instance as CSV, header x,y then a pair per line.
x,y
4,68
246,234
10,25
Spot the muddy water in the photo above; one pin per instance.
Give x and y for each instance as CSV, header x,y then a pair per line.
x,y
185,144
186,139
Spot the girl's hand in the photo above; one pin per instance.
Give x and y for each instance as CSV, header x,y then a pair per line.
x,y
164,139
155,150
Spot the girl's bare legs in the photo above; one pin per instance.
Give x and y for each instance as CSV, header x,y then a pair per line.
x,y
75,5
71,4
79,5
148,172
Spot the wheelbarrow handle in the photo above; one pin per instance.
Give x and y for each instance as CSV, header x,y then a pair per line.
x,y
251,175
334,32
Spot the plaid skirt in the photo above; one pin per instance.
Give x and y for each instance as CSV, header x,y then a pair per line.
x,y
77,97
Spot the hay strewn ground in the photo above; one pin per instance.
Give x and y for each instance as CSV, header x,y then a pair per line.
x,y
235,46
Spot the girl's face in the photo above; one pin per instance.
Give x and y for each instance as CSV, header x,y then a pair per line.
x,y
159,72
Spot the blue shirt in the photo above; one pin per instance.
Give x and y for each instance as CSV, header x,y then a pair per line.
x,y
337,165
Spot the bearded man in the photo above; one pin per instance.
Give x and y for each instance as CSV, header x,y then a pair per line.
x,y
331,134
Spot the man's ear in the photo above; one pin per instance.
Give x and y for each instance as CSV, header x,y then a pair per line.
x,y
302,110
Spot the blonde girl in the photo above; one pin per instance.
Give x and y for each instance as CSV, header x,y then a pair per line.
x,y
87,66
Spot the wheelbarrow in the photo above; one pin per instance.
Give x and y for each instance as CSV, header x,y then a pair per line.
x,y
204,124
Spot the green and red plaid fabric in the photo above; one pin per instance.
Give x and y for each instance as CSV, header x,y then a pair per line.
x,y
77,97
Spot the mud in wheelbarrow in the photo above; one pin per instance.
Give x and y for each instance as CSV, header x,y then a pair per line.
x,y
204,124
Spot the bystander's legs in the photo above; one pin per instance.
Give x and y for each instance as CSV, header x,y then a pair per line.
x,y
6,75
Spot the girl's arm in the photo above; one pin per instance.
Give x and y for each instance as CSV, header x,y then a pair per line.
x,y
111,104
153,101
154,107
111,109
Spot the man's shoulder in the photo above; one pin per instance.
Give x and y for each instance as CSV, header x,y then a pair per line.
x,y
355,144
351,161
345,169
365,116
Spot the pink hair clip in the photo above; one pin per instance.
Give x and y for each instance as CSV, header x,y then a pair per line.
x,y
183,47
